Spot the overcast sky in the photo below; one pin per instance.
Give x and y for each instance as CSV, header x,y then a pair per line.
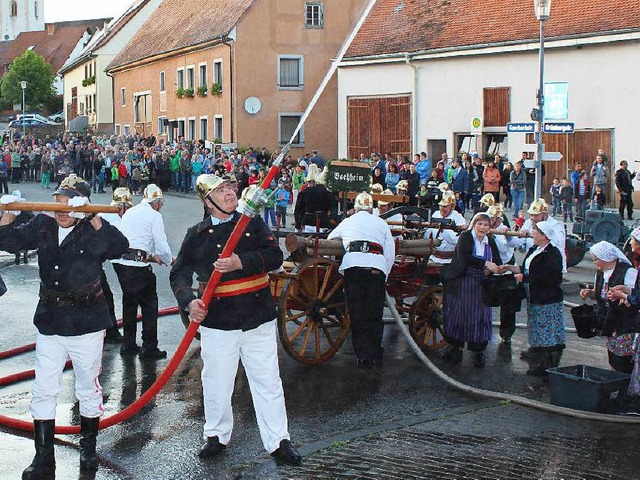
x,y
61,10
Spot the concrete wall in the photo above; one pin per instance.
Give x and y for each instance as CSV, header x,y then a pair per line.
x,y
270,29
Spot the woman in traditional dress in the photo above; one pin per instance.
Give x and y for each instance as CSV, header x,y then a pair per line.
x,y
466,318
620,322
631,296
541,273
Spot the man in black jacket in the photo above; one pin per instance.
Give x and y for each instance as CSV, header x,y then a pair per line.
x,y
71,316
624,184
239,323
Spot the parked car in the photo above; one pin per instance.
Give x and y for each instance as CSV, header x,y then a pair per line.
x,y
29,122
57,117
35,116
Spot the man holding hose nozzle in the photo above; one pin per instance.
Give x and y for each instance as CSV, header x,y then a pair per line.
x,y
240,321
71,316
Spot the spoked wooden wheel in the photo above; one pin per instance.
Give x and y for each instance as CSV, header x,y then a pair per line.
x,y
313,321
426,320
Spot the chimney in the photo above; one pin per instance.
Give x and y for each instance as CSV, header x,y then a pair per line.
x,y
51,28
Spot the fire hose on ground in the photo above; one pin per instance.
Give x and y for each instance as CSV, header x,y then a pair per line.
x,y
526,402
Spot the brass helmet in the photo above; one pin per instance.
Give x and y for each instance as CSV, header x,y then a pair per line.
x,y
152,193
488,200
312,172
448,199
122,195
207,182
73,186
496,210
363,201
376,188
402,185
538,206
386,192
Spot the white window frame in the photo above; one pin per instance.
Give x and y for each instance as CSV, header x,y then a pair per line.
x,y
183,121
218,74
163,81
206,74
191,133
300,59
311,5
123,97
162,129
127,129
301,133
191,68
178,70
218,132
203,135
116,129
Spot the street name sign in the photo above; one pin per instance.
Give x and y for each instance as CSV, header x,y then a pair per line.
x,y
559,127
521,127
552,156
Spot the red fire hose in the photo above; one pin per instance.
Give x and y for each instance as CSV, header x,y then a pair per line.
x,y
177,357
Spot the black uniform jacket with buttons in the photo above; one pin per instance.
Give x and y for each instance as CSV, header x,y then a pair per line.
x,y
70,267
259,252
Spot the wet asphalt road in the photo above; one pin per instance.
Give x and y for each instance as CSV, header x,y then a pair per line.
x,y
346,421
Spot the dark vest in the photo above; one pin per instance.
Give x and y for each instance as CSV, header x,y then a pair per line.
x,y
624,319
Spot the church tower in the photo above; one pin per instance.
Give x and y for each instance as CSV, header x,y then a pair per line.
x,y
17,16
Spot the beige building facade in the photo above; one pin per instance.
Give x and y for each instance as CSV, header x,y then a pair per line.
x,y
88,90
268,61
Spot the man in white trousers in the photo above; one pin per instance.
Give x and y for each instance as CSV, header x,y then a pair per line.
x,y
240,322
71,316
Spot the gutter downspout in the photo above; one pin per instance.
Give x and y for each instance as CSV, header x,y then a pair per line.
x,y
225,40
113,103
414,105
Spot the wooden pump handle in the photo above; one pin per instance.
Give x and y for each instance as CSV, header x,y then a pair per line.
x,y
58,207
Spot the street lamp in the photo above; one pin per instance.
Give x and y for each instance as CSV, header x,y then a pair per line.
x,y
23,84
542,10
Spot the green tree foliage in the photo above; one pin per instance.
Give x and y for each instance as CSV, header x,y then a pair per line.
x,y
38,74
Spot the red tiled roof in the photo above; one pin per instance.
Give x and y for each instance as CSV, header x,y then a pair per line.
x,y
178,23
396,26
55,48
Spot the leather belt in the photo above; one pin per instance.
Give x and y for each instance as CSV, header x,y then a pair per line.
x,y
86,296
135,254
363,246
240,286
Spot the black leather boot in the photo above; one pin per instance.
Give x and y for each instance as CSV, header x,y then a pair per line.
x,y
44,463
88,434
555,358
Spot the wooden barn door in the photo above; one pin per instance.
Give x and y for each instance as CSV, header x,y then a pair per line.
x,y
380,124
579,147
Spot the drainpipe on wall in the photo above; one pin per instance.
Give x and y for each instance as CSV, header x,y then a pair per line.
x,y
113,96
414,105
225,39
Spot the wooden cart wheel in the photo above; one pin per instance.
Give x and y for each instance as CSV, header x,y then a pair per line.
x,y
313,320
425,319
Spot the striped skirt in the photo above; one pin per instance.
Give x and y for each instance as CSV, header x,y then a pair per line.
x,y
466,317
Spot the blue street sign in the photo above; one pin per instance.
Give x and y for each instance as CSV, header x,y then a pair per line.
x,y
559,127
521,127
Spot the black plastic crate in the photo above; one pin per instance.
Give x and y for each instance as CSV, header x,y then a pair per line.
x,y
587,388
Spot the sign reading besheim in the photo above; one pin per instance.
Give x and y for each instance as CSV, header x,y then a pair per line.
x,y
556,101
